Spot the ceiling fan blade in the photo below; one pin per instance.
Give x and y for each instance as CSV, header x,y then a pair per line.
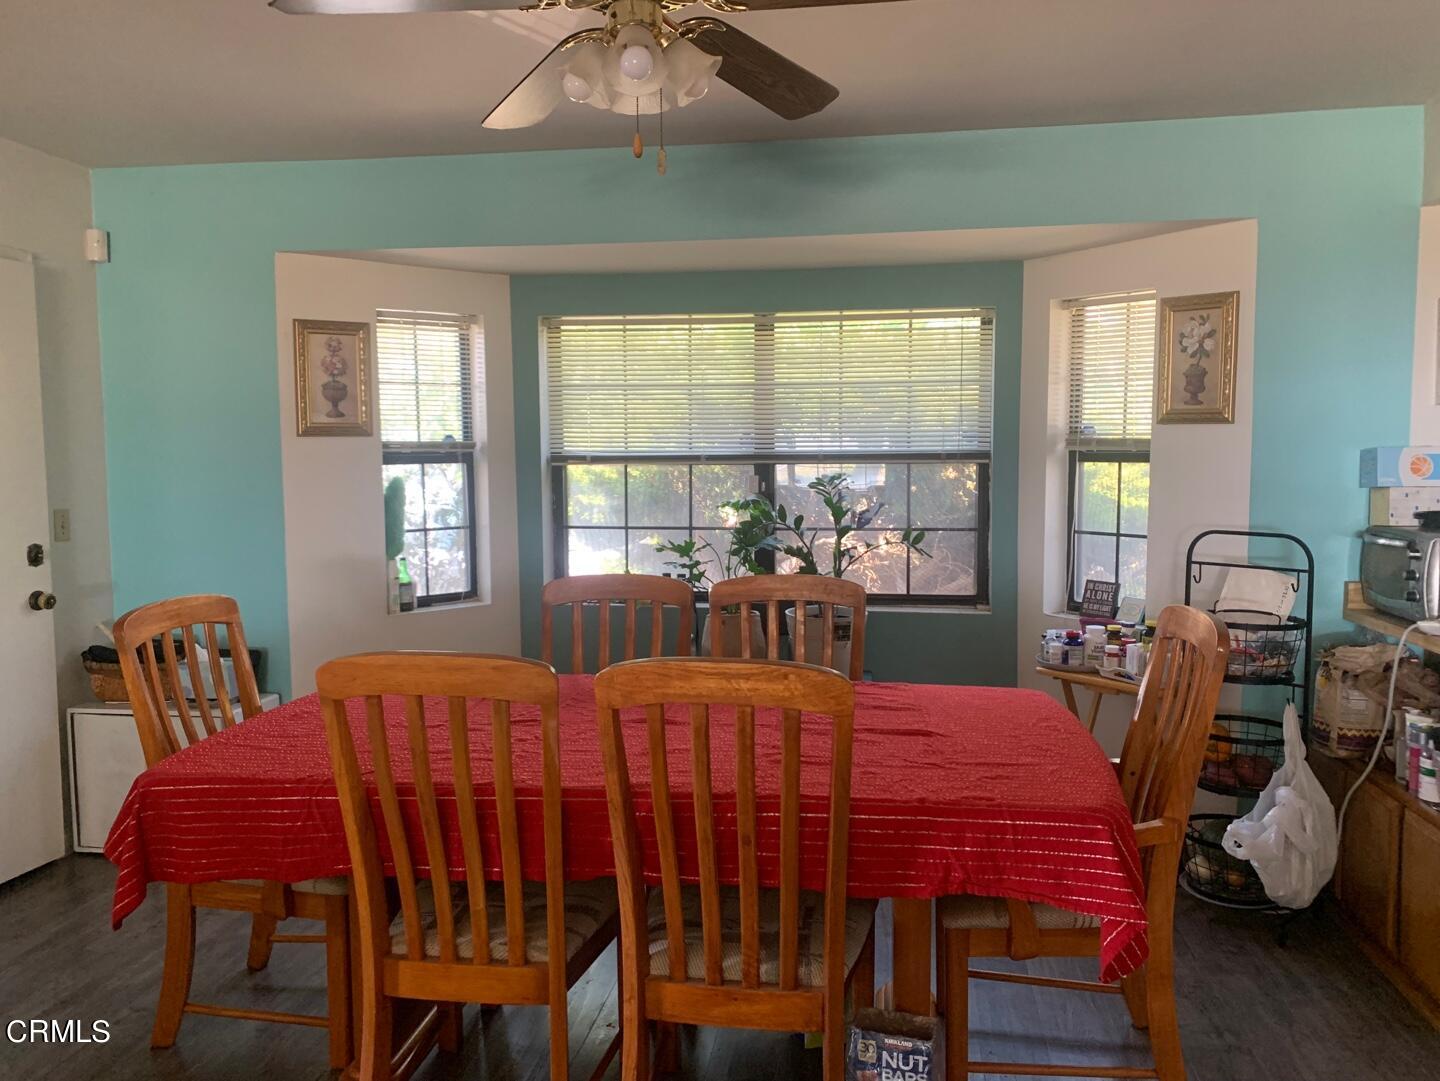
x,y
386,7
536,96
755,69
776,5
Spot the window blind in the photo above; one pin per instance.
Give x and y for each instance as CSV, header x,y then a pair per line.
x,y
1112,371
426,367
794,386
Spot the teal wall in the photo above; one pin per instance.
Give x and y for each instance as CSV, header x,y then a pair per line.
x,y
187,307
919,646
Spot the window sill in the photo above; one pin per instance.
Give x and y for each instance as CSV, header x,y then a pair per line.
x,y
451,606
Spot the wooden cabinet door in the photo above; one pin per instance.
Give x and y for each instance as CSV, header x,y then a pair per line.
x,y
1420,899
1370,864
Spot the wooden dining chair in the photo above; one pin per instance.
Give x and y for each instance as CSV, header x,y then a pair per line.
x,y
773,591
169,718
600,591
1158,769
778,959
511,942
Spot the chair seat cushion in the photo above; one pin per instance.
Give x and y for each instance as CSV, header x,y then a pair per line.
x,y
588,906
859,918
969,913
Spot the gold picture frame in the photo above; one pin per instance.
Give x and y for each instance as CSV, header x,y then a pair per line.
x,y
1195,364
332,378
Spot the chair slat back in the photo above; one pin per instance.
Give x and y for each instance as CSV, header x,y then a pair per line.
x,y
440,749
151,665
1165,746
772,592
700,686
599,592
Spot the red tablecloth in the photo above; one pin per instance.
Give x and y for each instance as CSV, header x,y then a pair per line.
x,y
976,790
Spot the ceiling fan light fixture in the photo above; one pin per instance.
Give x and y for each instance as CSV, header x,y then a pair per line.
x,y
584,77
627,71
690,71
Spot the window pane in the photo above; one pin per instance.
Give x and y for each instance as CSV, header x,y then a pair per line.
x,y
596,551
659,495
1095,496
448,566
714,561
1132,568
950,570
415,560
716,484
791,491
414,497
594,495
446,505
1094,560
944,495
883,570
1134,497
643,557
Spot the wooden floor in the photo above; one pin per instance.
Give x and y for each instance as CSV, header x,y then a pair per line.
x,y
1249,1011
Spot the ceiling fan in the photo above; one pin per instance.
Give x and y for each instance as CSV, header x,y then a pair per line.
x,y
641,61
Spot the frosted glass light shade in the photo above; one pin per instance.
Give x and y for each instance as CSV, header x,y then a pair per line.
x,y
689,71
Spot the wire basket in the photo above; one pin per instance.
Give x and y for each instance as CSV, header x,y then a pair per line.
x,y
1242,755
1262,651
1213,873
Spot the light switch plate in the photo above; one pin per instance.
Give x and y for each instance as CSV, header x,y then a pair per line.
x,y
60,530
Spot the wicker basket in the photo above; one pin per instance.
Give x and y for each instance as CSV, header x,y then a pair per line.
x,y
106,680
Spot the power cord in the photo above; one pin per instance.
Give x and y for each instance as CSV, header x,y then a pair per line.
x,y
1425,626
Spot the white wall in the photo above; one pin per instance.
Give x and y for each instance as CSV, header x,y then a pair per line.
x,y
1425,392
1199,473
44,209
334,521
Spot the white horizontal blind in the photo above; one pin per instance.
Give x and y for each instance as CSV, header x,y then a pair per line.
x,y
426,379
1112,372
789,386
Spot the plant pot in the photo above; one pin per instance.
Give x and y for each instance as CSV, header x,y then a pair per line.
x,y
730,634
815,638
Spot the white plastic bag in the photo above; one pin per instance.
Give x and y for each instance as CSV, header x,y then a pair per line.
x,y
1289,836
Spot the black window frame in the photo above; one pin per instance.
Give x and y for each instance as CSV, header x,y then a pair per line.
x,y
765,474
439,456
1077,460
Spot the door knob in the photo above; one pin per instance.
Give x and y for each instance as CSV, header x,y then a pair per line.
x,y
41,601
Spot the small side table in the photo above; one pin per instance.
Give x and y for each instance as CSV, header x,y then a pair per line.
x,y
1100,685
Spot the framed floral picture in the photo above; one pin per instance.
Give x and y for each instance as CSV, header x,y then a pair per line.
x,y
332,378
1195,368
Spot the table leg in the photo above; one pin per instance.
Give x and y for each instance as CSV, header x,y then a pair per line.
x,y
1070,702
1094,710
911,955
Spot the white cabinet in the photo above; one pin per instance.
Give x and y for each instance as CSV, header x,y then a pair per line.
x,y
105,759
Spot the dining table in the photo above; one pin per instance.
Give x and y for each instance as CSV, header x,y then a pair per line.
x,y
991,791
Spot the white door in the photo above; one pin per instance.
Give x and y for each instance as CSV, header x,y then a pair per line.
x,y
32,828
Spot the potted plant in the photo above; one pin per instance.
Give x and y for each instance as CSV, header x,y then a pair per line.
x,y
762,525
689,566
766,525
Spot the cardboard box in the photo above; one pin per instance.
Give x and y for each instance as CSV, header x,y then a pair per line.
x,y
1399,467
1401,506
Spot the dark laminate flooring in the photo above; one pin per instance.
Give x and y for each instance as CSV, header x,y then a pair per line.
x,y
1250,1011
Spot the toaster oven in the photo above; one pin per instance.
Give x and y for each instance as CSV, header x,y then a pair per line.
x,y
1400,571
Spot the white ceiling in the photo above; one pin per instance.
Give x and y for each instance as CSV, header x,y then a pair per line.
x,y
163,81
788,253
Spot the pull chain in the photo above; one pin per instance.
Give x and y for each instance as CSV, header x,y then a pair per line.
x,y
638,146
661,162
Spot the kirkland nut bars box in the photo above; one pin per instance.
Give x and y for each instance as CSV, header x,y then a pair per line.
x,y
888,1046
